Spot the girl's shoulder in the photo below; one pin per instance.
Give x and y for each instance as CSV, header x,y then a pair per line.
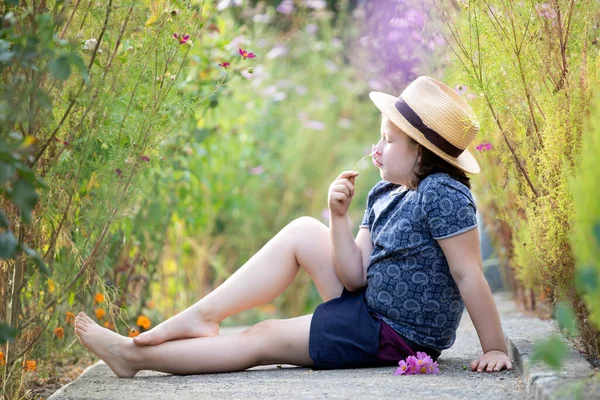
x,y
441,185
383,187
441,181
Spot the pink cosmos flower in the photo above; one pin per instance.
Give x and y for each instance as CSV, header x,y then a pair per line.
x,y
183,39
433,368
403,369
145,158
374,155
225,65
245,54
411,361
421,364
546,11
484,147
461,89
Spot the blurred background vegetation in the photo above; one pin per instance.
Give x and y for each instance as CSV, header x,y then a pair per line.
x,y
137,173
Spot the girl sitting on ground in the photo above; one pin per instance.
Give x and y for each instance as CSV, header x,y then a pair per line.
x,y
397,288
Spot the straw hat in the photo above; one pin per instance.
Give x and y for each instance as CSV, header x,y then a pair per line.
x,y
437,117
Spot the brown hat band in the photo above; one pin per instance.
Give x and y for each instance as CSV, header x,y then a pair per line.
x,y
429,133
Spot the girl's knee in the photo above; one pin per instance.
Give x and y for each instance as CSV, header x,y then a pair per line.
x,y
307,223
260,329
260,337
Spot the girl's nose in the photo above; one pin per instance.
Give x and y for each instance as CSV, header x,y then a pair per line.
x,y
375,151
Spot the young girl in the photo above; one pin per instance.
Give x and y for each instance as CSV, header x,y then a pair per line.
x,y
398,288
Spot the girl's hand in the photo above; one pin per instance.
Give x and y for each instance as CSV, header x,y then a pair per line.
x,y
341,192
494,360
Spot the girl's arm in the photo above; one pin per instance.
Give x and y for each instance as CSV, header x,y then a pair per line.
x,y
464,259
347,256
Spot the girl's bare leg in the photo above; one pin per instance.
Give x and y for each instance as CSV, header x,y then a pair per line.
x,y
274,341
302,243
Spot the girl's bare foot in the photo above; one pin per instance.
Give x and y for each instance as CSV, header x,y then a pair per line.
x,y
187,324
111,347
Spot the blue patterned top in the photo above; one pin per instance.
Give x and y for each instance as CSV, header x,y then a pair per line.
x,y
409,284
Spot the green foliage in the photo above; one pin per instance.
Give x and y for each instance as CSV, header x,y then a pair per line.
x,y
585,235
7,333
551,351
533,79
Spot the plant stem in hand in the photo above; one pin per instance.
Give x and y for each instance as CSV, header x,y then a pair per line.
x,y
368,155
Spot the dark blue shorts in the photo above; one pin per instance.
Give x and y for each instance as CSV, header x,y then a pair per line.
x,y
345,334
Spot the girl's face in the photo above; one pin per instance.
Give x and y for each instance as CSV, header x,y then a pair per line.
x,y
395,154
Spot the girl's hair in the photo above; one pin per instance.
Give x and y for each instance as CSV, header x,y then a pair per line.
x,y
432,163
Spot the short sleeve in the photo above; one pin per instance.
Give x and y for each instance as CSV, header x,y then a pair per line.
x,y
449,208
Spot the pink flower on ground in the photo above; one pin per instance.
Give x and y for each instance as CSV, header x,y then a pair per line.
x,y
225,65
412,365
145,158
403,369
245,54
183,39
433,368
421,364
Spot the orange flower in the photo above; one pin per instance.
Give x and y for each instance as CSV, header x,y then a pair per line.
x,y
150,304
109,325
70,318
133,333
30,365
2,360
144,322
59,332
100,313
99,298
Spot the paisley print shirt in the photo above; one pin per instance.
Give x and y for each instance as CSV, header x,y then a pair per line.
x,y
409,284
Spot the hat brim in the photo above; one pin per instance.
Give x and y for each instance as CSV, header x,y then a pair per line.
x,y
386,104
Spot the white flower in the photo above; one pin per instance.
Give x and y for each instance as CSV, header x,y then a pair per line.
x,y
301,90
261,18
277,51
235,43
279,96
331,67
315,4
223,4
374,84
90,44
311,29
286,7
345,123
336,43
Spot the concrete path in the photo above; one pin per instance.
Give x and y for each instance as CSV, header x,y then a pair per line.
x,y
290,382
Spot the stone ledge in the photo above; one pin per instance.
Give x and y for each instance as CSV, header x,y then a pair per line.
x,y
543,383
